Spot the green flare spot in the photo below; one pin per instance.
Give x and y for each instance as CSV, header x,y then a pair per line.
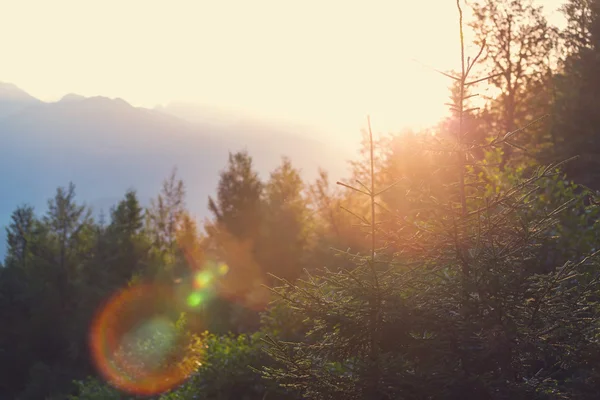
x,y
194,299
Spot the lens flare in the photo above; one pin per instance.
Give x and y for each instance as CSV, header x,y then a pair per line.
x,y
195,299
223,269
203,279
134,344
241,277
236,277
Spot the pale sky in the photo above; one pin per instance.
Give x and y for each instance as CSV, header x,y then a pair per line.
x,y
326,63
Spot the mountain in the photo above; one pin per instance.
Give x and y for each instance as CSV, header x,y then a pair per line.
x,y
203,114
71,97
106,146
13,99
198,114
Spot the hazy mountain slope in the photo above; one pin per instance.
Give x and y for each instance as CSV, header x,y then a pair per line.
x,y
13,99
106,146
201,114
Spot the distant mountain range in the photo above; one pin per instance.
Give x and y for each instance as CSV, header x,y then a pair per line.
x,y
106,146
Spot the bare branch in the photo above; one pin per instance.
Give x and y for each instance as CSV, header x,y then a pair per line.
x,y
437,70
352,187
476,57
389,187
483,79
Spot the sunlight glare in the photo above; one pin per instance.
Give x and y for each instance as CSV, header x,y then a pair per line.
x,y
325,64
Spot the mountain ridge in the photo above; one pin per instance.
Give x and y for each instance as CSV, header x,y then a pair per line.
x,y
106,146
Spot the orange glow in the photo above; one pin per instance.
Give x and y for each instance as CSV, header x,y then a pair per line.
x,y
119,321
241,277
123,334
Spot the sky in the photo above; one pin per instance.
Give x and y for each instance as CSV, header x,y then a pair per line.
x,y
322,63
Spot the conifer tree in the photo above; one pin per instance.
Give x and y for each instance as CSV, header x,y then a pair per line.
x,y
234,238
285,227
14,300
164,216
332,225
237,209
461,312
69,228
127,244
121,250
58,247
576,106
19,236
164,219
127,219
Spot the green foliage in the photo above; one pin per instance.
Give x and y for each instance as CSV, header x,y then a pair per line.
x,y
238,206
575,109
576,231
517,39
163,220
225,373
285,228
234,238
468,306
94,389
447,266
19,235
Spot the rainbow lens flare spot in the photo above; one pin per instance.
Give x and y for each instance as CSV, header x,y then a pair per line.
x,y
136,347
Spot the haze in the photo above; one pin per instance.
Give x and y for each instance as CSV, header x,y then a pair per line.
x,y
324,64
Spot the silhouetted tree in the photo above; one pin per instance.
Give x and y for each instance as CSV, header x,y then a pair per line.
x,y
467,314
517,41
19,236
238,205
576,110
286,223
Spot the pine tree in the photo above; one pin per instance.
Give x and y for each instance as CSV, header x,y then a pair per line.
x,y
285,227
48,258
68,225
237,209
333,227
465,312
125,247
233,238
164,220
14,305
19,235
127,219
166,212
576,106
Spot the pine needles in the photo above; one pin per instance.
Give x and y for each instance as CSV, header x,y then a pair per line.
x,y
461,303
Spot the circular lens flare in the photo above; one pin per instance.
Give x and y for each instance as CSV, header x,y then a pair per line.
x,y
134,344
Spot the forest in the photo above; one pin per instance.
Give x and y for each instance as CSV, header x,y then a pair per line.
x,y
457,262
